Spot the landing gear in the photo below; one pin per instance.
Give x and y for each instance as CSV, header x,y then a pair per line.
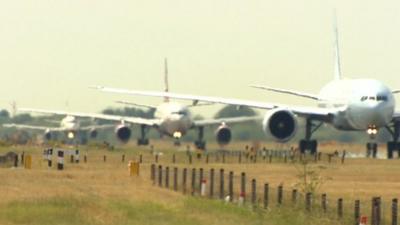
x,y
177,142
394,145
143,140
372,149
200,143
308,143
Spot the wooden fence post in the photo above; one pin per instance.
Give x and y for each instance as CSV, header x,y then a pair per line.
x,y
104,158
294,196
340,208
212,183
140,158
230,186
156,158
184,180
243,186
201,176
160,176
123,158
175,179
153,173
266,195
253,192
221,184
343,156
167,177
357,211
308,201
324,203
280,194
173,159
193,186
394,211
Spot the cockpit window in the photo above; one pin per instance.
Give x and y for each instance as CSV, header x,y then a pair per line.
x,y
382,98
181,112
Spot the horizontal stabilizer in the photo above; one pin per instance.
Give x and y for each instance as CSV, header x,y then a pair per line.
x,y
396,91
285,91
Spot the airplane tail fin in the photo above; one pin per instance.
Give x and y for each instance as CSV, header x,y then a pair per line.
x,y
166,84
338,72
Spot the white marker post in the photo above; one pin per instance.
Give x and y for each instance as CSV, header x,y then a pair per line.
x,y
76,156
203,187
49,156
60,164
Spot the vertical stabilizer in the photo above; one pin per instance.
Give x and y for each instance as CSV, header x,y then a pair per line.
x,y
338,71
166,84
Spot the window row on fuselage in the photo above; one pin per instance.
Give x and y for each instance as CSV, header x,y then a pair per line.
x,y
378,98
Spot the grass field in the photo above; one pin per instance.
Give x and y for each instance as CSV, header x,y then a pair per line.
x,y
103,192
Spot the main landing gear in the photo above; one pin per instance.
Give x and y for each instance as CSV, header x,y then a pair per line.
x,y
393,146
200,143
308,143
143,140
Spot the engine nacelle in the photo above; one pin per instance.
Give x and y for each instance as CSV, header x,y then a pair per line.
x,y
47,135
123,133
281,124
223,134
93,133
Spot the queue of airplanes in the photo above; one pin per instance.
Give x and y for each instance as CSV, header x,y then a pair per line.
x,y
346,104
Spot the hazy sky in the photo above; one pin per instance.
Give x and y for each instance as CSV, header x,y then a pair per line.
x,y
51,50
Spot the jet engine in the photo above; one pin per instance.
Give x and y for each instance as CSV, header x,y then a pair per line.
x,y
47,135
123,133
223,134
93,133
281,124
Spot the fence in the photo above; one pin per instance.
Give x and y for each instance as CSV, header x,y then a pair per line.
x,y
223,185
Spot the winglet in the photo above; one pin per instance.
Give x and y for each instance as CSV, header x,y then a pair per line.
x,y
338,71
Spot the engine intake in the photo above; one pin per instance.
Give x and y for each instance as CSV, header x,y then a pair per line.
x,y
123,133
223,134
281,124
93,133
47,135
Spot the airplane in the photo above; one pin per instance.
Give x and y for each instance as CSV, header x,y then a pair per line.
x,y
171,119
346,104
69,125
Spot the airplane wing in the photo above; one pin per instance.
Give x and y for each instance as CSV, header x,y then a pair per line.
x,y
208,122
396,91
32,127
286,91
314,112
99,127
136,104
133,120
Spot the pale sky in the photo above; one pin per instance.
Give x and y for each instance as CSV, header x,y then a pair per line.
x,y
52,50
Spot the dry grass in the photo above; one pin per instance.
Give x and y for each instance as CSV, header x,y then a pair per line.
x,y
103,193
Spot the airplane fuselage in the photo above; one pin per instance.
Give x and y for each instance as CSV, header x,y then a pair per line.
x,y
175,118
361,103
70,123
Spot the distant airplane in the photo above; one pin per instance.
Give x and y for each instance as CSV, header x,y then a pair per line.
x,y
69,125
171,119
347,104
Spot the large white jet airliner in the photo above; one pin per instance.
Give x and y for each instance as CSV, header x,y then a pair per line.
x,y
346,104
171,118
69,125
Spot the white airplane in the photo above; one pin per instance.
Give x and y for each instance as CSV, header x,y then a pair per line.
x,y
346,104
171,118
69,125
